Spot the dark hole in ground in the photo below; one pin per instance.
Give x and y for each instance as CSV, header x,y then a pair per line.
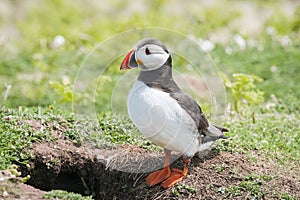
x,y
102,173
63,181
45,178
69,182
84,170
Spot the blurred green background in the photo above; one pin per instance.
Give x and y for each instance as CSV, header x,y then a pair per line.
x,y
43,44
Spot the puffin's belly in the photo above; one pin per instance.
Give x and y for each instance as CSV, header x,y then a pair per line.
x,y
161,119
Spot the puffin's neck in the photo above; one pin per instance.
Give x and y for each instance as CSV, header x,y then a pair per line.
x,y
162,74
161,77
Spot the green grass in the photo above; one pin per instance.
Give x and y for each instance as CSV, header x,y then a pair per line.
x,y
118,129
253,184
183,189
277,136
21,127
282,81
60,194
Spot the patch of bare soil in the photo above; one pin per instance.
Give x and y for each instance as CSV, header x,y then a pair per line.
x,y
13,188
120,172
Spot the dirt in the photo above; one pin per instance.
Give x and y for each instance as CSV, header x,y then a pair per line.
x,y
12,187
119,173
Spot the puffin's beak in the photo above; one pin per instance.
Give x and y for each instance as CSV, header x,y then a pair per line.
x,y
129,61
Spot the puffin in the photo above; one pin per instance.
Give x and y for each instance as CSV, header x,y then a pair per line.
x,y
165,114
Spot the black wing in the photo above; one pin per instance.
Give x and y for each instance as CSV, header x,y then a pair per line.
x,y
192,108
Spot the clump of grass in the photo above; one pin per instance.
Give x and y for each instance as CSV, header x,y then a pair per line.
x,y
16,134
60,194
183,189
23,126
120,130
252,184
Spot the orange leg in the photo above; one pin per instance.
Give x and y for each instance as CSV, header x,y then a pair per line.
x,y
160,175
177,175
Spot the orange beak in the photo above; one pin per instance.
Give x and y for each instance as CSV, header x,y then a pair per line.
x,y
128,60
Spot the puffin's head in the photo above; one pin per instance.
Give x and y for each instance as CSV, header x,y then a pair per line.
x,y
148,54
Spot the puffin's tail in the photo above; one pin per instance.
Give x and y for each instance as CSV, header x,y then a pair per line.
x,y
221,128
213,133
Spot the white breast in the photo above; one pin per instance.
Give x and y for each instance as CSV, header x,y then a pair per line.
x,y
162,120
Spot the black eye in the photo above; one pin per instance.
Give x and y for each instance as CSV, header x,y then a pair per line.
x,y
147,51
166,51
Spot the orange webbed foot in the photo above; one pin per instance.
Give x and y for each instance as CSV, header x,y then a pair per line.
x,y
176,176
158,176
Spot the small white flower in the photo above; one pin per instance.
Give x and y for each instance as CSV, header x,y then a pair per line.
x,y
58,41
270,105
66,80
274,98
228,50
285,41
3,38
273,69
270,30
240,41
5,193
206,45
264,142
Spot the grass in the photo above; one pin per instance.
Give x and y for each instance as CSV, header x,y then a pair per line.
x,y
20,128
60,194
23,126
254,185
277,143
274,64
276,135
183,189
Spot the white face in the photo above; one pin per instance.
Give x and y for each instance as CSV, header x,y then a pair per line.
x,y
151,57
